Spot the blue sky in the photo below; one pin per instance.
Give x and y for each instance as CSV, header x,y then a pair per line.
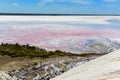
x,y
61,6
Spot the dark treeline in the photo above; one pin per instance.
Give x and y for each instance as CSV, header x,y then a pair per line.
x,y
43,14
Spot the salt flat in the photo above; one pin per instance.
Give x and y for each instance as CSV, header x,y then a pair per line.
x,y
82,19
58,32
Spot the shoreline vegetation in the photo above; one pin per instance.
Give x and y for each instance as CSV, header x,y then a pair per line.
x,y
27,62
17,50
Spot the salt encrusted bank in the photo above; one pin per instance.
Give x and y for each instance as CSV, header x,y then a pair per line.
x,y
104,68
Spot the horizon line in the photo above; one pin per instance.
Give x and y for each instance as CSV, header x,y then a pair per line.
x,y
51,14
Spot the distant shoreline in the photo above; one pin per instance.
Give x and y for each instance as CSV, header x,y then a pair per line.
x,y
32,14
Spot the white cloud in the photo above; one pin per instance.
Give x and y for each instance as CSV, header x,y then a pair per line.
x,y
14,4
110,0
